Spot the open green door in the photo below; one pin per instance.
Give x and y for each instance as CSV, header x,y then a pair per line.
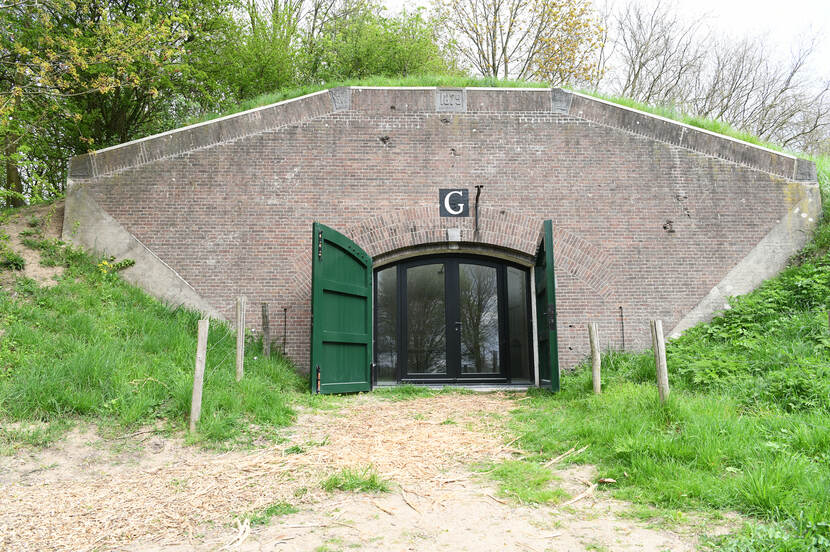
x,y
546,310
341,314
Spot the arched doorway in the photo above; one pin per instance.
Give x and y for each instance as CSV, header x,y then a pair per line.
x,y
443,318
453,318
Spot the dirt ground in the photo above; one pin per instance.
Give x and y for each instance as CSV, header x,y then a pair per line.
x,y
50,223
144,492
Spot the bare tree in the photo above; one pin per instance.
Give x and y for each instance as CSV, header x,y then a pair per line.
x,y
661,59
660,54
606,48
522,39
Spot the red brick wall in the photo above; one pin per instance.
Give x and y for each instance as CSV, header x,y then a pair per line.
x,y
235,217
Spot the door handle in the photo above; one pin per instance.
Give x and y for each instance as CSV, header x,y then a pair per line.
x,y
458,326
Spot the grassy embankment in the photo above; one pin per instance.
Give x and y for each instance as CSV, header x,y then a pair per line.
x,y
747,426
94,347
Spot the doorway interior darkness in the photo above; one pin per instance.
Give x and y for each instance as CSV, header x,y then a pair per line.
x,y
452,319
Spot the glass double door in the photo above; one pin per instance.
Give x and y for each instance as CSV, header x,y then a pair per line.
x,y
449,321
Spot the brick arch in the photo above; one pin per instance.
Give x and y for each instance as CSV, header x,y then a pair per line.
x,y
498,228
588,262
420,226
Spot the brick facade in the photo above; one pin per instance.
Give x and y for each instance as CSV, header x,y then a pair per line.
x,y
649,215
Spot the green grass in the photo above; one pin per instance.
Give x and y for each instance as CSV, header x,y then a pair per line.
x,y
407,392
703,450
52,251
665,518
450,81
526,482
263,516
30,435
366,480
95,347
11,260
29,232
668,112
746,427
790,536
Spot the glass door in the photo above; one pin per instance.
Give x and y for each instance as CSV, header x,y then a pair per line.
x,y
450,320
477,322
426,323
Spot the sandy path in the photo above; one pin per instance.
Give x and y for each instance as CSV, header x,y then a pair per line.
x,y
148,493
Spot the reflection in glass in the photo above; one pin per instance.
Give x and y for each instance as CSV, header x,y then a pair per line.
x,y
479,318
386,340
426,320
517,324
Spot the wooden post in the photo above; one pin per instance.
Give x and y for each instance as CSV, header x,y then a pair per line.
x,y
199,374
659,346
240,337
266,331
284,323
593,337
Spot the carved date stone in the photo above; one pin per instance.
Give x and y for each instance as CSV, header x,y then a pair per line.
x,y
454,100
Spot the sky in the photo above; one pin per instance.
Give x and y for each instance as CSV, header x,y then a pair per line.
x,y
786,23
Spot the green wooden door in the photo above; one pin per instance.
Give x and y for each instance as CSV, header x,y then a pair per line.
x,y
546,310
341,314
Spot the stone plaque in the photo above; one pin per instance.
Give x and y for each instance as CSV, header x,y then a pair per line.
x,y
451,100
341,98
560,101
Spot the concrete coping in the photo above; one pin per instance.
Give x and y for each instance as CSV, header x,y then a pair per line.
x,y
431,99
688,127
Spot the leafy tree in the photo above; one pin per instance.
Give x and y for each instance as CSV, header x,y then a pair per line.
x,y
78,75
161,82
44,61
568,50
367,42
260,53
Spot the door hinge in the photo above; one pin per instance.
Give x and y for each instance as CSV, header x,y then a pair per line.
x,y
320,244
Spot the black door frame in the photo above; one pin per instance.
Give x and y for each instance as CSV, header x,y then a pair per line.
x,y
452,307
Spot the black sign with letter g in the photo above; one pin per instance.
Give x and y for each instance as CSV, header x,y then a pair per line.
x,y
454,202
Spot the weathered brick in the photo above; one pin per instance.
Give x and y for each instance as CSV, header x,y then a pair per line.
x,y
229,205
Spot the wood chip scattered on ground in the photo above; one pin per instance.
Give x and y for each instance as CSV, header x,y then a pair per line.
x,y
406,442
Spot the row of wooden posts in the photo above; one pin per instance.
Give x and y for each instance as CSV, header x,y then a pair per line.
x,y
657,340
201,354
658,344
